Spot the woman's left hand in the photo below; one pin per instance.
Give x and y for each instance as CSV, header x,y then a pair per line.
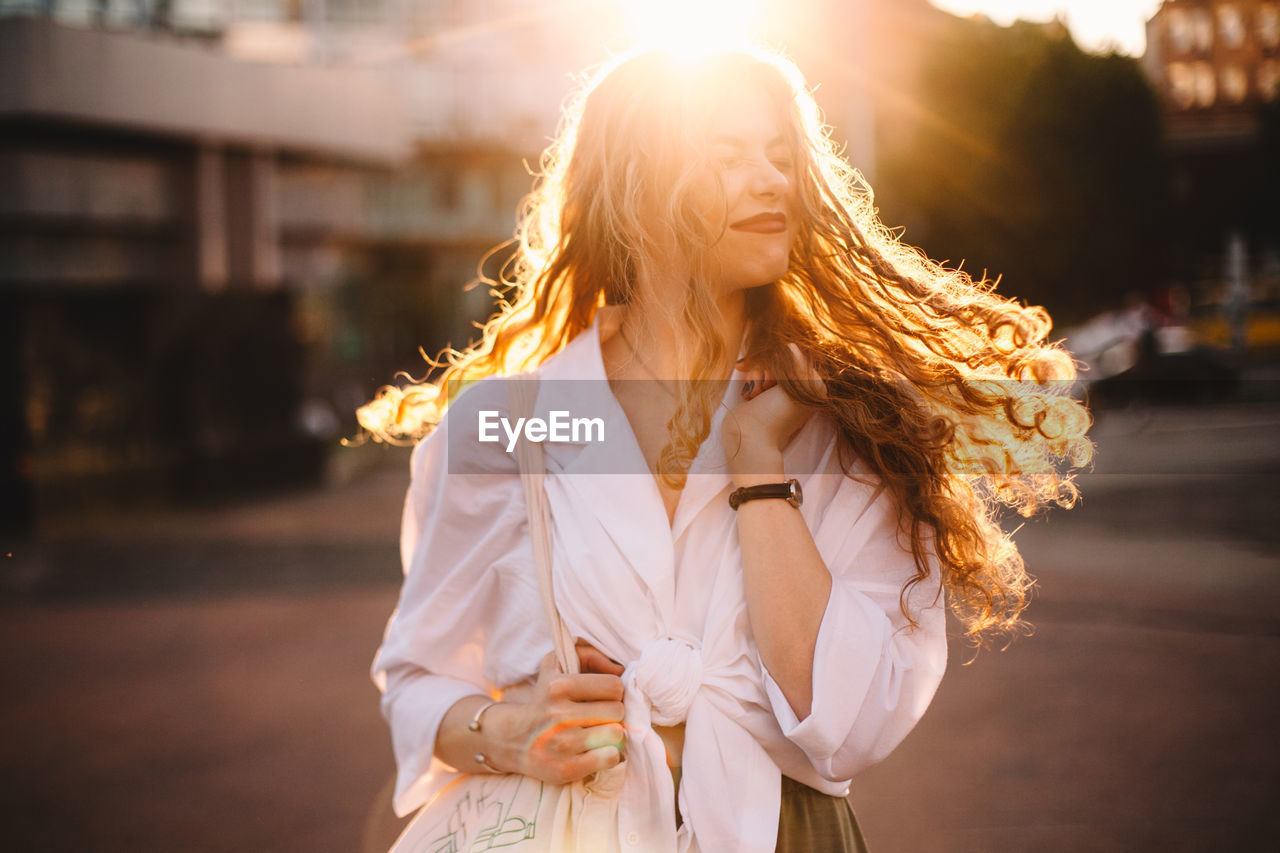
x,y
756,429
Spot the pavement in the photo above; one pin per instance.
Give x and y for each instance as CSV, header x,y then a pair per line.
x,y
197,680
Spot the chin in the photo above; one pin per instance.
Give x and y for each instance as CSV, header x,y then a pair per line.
x,y
771,273
757,273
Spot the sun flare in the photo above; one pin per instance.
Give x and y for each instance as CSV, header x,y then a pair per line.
x,y
693,27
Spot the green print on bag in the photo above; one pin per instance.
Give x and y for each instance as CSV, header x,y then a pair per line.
x,y
502,813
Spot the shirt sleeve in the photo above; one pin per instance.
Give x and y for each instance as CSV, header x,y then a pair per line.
x,y
469,618
873,674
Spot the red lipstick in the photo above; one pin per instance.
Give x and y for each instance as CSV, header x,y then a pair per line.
x,y
762,223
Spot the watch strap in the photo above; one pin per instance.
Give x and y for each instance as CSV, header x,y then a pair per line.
x,y
788,491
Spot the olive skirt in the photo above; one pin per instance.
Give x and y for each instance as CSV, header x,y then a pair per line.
x,y
811,821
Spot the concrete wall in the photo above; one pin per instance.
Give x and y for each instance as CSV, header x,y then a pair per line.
x,y
129,81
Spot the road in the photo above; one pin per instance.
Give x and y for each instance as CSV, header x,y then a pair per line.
x,y
198,680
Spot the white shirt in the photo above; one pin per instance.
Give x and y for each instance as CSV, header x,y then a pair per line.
x,y
665,600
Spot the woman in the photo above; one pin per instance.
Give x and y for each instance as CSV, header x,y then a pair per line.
x,y
694,230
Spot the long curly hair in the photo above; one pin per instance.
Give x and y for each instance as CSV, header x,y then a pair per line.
x,y
950,394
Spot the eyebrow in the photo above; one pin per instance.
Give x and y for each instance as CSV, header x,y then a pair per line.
x,y
728,139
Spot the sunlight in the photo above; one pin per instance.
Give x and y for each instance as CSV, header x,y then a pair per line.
x,y
692,27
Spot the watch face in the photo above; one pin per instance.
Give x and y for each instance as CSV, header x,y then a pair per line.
x,y
797,496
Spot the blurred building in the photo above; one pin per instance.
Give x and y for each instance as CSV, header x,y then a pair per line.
x,y
145,285
1216,65
224,223
1215,62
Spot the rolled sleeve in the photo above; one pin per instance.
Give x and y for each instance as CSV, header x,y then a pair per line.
x,y
871,684
469,619
413,706
874,674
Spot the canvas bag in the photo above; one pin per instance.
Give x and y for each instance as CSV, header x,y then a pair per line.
x,y
484,811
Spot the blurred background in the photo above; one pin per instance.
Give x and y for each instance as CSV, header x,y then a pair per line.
x,y
225,223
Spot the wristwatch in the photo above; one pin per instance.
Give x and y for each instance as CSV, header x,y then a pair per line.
x,y
788,491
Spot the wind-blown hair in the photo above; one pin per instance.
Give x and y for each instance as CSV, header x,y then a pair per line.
x,y
948,393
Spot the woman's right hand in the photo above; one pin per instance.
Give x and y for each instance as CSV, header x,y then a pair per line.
x,y
569,727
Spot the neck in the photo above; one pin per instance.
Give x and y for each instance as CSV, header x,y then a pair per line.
x,y
658,336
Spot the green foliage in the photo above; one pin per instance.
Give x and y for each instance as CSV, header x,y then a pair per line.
x,y
1027,158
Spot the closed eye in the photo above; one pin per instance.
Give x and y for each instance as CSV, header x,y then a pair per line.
x,y
781,164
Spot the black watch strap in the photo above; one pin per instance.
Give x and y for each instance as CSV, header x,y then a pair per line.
x,y
788,491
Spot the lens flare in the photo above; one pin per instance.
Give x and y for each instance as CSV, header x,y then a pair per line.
x,y
693,27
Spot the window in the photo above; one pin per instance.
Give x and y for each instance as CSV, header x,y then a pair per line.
x,y
353,11
1235,84
1269,79
1230,25
262,10
1202,27
1182,85
1205,89
1269,24
1179,30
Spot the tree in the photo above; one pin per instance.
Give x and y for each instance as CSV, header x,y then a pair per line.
x,y
1032,160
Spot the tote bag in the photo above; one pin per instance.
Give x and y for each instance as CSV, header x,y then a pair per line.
x,y
488,811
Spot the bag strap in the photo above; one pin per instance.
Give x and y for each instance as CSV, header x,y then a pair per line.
x,y
522,391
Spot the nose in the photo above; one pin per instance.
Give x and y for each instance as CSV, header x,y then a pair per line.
x,y
768,180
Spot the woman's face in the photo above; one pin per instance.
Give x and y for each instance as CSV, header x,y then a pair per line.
x,y
753,159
